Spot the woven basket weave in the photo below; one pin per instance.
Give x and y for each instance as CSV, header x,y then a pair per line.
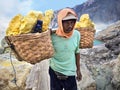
x,y
32,47
87,37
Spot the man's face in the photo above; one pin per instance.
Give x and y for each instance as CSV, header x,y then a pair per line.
x,y
68,25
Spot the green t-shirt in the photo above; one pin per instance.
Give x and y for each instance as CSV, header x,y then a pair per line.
x,y
64,60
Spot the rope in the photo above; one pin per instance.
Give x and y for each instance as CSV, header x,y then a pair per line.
x,y
15,79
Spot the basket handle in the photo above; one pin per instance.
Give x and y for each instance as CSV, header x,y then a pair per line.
x,y
12,48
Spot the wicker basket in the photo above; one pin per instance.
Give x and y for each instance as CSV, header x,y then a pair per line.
x,y
32,47
87,37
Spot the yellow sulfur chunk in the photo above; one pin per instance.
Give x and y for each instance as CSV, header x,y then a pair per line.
x,y
46,22
27,24
49,13
77,25
14,25
35,14
84,17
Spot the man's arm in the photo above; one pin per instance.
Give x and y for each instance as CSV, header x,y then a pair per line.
x,y
79,75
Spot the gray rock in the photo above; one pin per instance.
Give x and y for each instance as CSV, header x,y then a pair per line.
x,y
1,50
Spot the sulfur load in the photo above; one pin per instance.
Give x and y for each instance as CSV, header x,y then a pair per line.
x,y
87,30
24,24
84,21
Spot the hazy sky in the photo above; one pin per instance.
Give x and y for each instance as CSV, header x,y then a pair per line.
x,y
12,7
55,4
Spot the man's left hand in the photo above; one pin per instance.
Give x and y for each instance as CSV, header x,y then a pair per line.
x,y
79,75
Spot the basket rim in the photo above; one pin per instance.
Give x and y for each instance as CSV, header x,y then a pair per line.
x,y
28,36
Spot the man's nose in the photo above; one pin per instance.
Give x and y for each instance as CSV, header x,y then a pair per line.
x,y
70,25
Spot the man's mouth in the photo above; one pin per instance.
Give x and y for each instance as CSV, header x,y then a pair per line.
x,y
69,29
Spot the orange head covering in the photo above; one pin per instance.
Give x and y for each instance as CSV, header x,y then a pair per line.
x,y
62,14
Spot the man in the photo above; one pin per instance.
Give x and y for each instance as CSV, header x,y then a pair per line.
x,y
65,63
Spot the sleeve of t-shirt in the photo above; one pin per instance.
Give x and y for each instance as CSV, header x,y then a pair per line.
x,y
78,42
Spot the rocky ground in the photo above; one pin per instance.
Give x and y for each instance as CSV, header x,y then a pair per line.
x,y
100,66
